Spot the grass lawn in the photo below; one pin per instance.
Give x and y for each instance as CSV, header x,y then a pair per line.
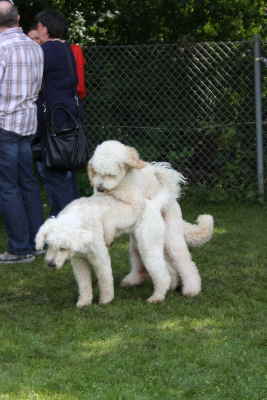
x,y
213,346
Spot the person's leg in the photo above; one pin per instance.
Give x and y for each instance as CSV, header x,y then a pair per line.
x,y
40,171
60,187
75,189
14,215
30,190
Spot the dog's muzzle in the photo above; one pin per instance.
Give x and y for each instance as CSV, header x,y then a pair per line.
x,y
51,264
100,188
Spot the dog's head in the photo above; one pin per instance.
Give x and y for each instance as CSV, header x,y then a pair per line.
x,y
62,242
110,163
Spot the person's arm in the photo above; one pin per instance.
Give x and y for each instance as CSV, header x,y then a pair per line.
x,y
2,67
80,69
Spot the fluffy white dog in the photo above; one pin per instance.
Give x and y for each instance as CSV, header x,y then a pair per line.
x,y
82,231
117,170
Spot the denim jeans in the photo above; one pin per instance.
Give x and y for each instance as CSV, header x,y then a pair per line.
x,y
60,187
19,193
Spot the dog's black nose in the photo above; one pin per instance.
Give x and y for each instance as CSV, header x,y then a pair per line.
x,y
51,264
100,188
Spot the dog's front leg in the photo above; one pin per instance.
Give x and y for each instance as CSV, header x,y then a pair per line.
x,y
82,274
178,252
138,273
149,236
100,260
109,231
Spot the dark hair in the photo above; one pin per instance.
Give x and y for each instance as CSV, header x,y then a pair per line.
x,y
33,27
55,23
10,17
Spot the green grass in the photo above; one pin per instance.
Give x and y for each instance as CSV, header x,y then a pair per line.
x,y
210,347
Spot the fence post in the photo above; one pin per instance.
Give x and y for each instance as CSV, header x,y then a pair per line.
x,y
258,105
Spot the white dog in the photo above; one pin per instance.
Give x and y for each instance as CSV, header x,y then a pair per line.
x,y
117,170
83,229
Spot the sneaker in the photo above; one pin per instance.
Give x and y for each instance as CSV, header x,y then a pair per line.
x,y
8,258
39,252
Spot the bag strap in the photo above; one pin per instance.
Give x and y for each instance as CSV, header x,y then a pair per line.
x,y
71,69
61,106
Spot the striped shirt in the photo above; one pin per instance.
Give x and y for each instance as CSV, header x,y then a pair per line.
x,y
21,71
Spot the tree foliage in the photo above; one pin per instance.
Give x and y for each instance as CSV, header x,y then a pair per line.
x,y
146,21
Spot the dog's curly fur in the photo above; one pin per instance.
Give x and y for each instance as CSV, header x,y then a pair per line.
x,y
142,202
116,169
83,229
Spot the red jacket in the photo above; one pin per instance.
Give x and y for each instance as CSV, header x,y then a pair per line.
x,y
80,70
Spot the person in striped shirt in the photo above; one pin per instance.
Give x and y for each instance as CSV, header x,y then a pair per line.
x,y
21,71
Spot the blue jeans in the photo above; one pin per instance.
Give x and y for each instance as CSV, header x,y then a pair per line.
x,y
19,193
60,187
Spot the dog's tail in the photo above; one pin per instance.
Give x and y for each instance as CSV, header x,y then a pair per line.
x,y
199,233
169,177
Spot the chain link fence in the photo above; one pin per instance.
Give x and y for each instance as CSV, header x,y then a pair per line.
x,y
264,103
192,104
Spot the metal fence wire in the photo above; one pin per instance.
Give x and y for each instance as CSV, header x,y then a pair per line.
x,y
192,104
264,102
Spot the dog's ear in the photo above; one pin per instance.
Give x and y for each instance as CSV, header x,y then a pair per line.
x,y
133,159
40,238
90,174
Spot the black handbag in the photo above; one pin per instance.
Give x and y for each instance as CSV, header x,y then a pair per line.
x,y
65,149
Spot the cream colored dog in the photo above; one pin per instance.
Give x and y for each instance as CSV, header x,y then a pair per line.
x,y
80,233
117,170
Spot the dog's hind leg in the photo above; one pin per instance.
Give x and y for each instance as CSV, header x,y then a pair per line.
x,y
82,274
175,280
138,274
99,258
178,252
150,240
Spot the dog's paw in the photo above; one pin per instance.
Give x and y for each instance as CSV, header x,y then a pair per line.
x,y
155,299
83,303
133,279
192,283
105,299
192,289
